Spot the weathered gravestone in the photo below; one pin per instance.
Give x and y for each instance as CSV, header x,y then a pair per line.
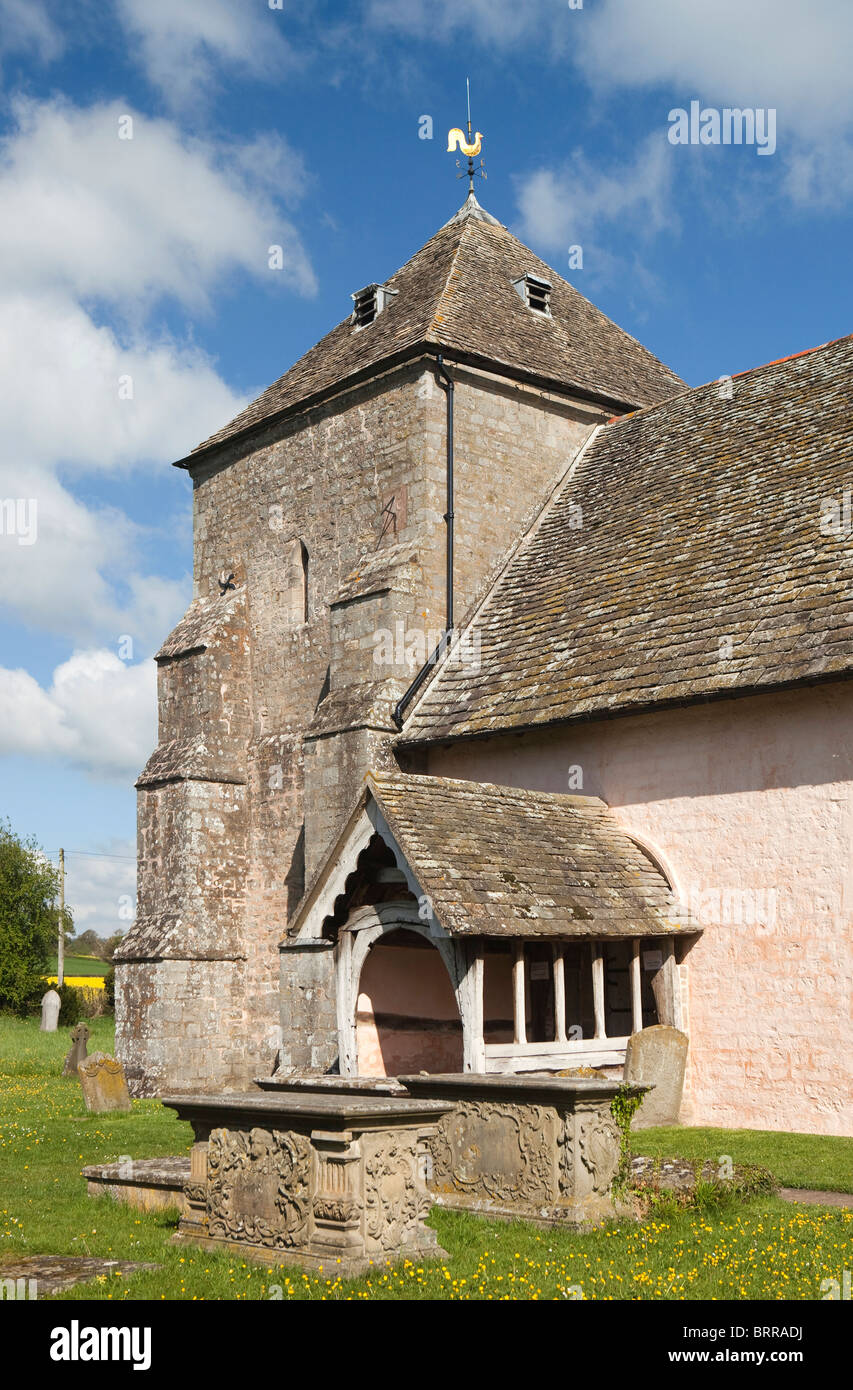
x,y
49,1274
657,1057
77,1053
104,1086
50,1006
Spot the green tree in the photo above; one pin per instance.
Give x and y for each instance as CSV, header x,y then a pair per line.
x,y
109,946
29,920
88,943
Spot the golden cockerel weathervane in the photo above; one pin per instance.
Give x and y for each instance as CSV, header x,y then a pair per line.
x,y
470,147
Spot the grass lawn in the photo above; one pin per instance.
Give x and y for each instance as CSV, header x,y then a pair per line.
x,y
795,1160
762,1249
81,965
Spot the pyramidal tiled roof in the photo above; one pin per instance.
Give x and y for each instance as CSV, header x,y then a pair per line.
x,y
687,555
457,294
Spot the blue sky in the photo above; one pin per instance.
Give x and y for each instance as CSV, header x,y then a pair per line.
x,y
142,264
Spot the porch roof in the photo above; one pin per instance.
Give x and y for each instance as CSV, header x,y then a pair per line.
x,y
504,862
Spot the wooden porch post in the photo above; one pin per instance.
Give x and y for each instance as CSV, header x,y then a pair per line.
x,y
666,987
559,993
473,1043
598,987
636,987
519,1008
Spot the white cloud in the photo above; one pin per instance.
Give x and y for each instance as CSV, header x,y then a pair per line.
x,y
96,231
783,54
26,27
778,53
59,581
80,577
270,162
768,53
572,205
89,214
182,46
100,888
73,393
821,174
500,23
99,714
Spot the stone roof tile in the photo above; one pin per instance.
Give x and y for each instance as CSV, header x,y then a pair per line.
x,y
504,861
457,294
700,566
206,621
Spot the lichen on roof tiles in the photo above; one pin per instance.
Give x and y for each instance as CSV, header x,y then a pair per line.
x,y
504,861
701,566
457,294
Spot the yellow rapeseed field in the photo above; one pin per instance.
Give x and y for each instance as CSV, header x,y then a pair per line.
x,y
79,981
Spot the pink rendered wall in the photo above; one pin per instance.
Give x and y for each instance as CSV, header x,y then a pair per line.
x,y
401,983
749,803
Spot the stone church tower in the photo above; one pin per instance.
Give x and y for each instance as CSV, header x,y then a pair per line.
x,y
321,521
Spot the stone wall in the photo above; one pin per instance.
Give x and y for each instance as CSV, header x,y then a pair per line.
x,y
310,1042
184,1020
747,804
511,447
193,846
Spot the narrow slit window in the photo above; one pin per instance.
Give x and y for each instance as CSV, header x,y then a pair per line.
x,y
304,558
297,582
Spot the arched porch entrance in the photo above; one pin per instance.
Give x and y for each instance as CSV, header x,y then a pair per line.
x,y
400,996
406,1015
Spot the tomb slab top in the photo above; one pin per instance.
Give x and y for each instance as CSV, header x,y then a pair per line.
x,y
332,1108
345,1085
522,1087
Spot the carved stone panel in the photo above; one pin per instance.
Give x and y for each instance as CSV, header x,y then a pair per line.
x,y
396,1199
328,1180
258,1184
337,1205
566,1155
505,1152
541,1148
596,1152
335,1211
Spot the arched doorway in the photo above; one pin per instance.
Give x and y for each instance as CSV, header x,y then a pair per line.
x,y
407,1019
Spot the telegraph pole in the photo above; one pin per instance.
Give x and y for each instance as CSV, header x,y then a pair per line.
x,y
60,951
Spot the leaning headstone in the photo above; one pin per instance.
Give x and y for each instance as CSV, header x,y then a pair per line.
x,y
50,1006
657,1056
104,1086
77,1053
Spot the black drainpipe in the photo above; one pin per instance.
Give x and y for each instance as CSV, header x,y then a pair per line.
x,y
446,381
448,515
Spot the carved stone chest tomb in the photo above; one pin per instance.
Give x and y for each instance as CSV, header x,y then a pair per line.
x,y
327,1181
539,1148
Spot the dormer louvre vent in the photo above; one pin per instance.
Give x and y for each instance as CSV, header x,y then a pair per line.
x,y
535,292
369,304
